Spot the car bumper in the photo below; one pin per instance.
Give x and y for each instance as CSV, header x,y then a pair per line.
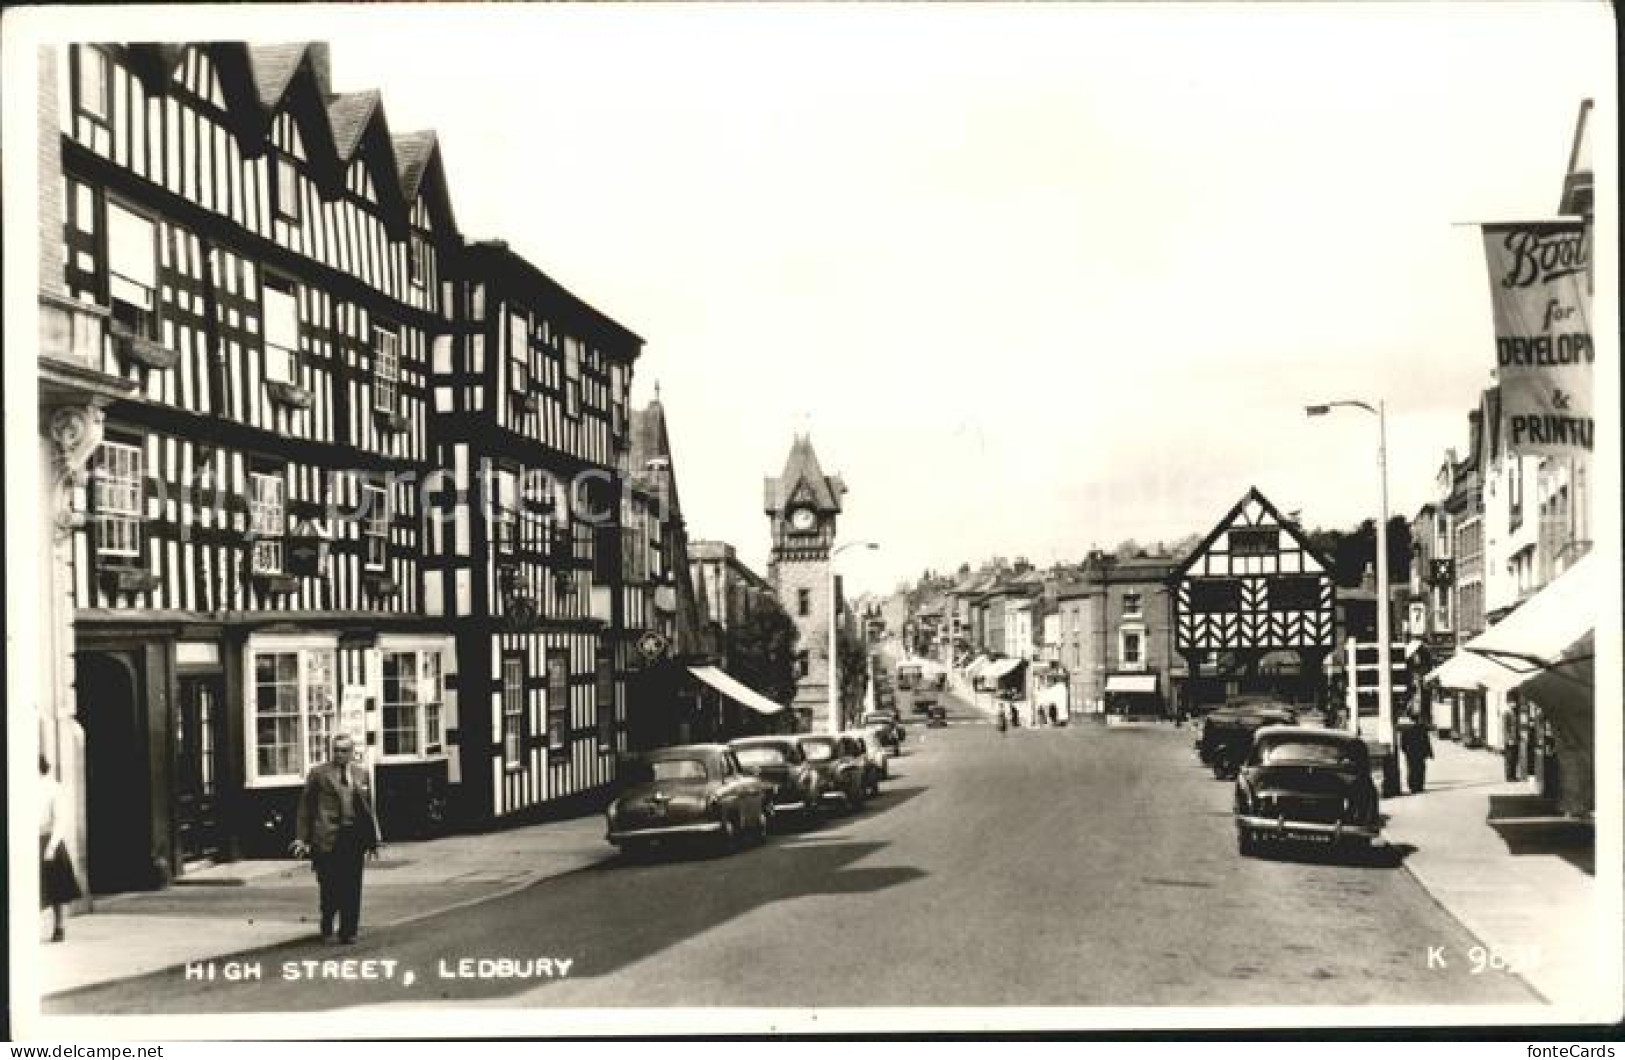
x,y
1281,828
618,836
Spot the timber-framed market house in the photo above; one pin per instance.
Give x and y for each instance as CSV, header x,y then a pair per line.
x,y
281,423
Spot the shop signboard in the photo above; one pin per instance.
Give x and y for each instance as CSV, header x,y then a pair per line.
x,y
1540,278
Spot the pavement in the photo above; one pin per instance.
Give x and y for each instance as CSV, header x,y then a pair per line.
x,y
246,905
1483,850
1514,872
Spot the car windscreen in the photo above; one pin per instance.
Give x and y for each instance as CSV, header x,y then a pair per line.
x,y
678,769
1306,752
819,750
760,756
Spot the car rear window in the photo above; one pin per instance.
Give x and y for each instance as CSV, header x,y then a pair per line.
x,y
819,750
760,756
1310,752
678,769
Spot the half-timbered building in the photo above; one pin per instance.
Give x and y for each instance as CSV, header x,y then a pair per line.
x,y
1253,608
246,576
526,534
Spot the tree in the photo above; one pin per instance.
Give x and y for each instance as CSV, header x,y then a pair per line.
x,y
1352,551
761,650
854,666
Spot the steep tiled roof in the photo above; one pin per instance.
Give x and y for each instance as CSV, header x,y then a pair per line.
x,y
801,468
348,115
273,67
412,153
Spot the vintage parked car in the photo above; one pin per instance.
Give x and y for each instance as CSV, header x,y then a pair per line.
x,y
938,718
1227,732
840,765
1305,784
779,761
876,756
876,760
693,791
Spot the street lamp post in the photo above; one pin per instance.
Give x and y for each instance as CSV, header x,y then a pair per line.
x,y
834,648
1386,723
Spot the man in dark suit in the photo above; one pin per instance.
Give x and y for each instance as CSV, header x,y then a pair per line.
x,y
338,829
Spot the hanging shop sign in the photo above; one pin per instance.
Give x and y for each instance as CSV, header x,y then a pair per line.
x,y
1540,279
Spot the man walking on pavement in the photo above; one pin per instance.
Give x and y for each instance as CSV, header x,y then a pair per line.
x,y
337,827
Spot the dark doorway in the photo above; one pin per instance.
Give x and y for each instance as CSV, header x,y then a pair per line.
x,y
116,798
197,767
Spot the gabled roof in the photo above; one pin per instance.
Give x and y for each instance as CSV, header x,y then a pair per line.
x,y
803,481
273,66
349,114
1252,503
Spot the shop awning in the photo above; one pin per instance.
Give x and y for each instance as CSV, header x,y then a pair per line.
x,y
1000,668
1544,628
1466,672
977,666
1142,683
744,696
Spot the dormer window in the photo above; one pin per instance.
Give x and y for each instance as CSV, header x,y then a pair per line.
x,y
132,271
287,188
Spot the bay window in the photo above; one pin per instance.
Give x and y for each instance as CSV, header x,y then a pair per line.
x,y
116,495
294,708
412,700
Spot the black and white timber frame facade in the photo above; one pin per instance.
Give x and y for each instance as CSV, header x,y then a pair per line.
x,y
292,522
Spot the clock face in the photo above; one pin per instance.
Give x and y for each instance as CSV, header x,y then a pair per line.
x,y
803,519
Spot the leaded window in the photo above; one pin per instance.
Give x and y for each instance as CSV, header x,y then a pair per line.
x,y
117,499
386,369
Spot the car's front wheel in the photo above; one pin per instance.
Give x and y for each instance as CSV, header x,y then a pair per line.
x,y
728,838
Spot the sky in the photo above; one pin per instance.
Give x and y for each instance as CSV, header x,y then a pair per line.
x,y
1036,278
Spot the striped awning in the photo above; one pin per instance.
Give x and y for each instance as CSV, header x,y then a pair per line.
x,y
741,694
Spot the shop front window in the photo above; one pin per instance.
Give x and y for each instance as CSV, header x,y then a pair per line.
x,y
558,699
412,702
294,710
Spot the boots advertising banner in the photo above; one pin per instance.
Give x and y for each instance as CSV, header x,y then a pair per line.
x,y
1539,281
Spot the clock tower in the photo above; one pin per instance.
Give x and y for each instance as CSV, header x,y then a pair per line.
x,y
802,505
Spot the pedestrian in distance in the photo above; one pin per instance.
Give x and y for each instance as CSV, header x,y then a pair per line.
x,y
1054,715
1416,746
1509,740
58,886
337,828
